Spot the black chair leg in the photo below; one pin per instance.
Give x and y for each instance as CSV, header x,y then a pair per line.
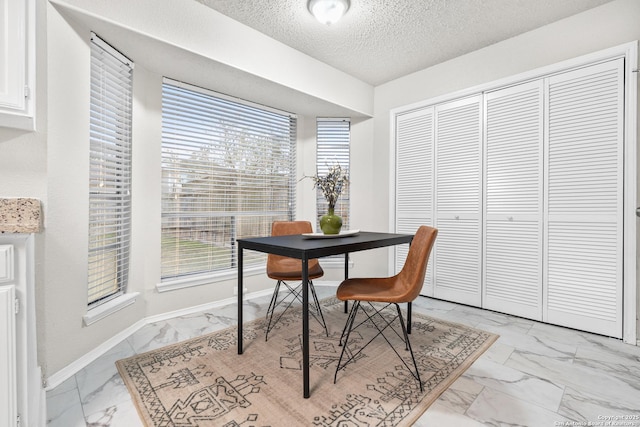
x,y
272,307
318,308
296,293
408,346
350,319
348,328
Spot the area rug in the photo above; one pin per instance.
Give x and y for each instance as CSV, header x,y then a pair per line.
x,y
204,382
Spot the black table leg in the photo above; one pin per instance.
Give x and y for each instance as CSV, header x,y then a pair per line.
x,y
409,313
346,276
240,287
305,327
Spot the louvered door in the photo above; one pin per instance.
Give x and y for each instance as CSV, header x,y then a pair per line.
x,y
458,189
414,181
513,200
583,280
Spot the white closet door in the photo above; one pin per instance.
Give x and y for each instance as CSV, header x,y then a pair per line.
x,y
414,181
458,189
584,200
513,200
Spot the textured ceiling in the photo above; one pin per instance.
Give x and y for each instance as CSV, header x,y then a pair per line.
x,y
381,40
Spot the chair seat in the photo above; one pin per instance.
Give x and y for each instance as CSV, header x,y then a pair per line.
x,y
383,289
291,269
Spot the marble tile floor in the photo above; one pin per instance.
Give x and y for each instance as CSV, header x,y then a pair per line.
x,y
534,375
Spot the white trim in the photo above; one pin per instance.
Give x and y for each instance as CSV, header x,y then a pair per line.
x,y
333,263
391,258
17,121
6,263
630,260
333,119
204,307
74,367
205,279
108,308
327,283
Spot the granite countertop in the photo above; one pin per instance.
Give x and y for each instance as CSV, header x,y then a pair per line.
x,y
20,215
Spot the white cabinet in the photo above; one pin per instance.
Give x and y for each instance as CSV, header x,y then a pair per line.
x,y
513,200
21,394
8,385
526,187
458,178
17,63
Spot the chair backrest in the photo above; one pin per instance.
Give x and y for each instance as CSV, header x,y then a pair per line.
x,y
286,228
415,266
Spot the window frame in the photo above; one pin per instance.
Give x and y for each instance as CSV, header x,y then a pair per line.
x,y
110,181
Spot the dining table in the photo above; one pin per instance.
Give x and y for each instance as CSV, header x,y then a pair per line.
x,y
305,248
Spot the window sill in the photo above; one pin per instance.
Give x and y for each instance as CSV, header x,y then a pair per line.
x,y
205,279
334,263
107,309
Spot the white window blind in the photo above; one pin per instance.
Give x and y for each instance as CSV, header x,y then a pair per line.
x,y
110,172
333,136
228,172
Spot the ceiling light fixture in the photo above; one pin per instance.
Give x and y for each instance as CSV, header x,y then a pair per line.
x,y
328,11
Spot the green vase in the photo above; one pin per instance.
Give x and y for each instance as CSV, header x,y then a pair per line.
x,y
330,223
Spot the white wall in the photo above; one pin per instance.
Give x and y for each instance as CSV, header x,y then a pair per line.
x,y
609,25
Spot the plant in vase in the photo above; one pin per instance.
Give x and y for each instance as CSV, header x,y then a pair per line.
x,y
332,185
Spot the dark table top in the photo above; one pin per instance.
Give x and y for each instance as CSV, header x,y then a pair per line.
x,y
298,246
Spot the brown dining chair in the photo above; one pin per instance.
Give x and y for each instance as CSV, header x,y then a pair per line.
x,y
286,270
403,287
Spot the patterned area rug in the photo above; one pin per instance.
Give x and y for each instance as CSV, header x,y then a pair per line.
x,y
204,382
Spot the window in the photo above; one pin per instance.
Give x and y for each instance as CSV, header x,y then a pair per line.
x,y
228,171
110,172
332,146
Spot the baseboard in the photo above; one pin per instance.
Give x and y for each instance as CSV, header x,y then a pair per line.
x,y
67,372
204,307
73,368
42,408
329,283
